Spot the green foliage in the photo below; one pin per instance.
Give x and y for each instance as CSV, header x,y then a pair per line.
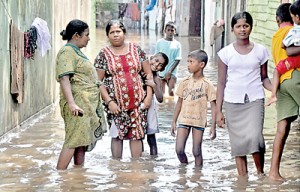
x,y
104,5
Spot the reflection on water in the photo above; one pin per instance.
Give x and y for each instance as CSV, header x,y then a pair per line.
x,y
28,156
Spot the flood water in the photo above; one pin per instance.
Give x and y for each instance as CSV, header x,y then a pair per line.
x,y
28,155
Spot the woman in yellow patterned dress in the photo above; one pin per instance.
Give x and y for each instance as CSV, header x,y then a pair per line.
x,y
80,101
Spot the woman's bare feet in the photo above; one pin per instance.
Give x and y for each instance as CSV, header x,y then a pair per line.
x,y
275,177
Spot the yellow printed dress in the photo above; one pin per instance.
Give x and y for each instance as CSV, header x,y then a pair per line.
x,y
86,130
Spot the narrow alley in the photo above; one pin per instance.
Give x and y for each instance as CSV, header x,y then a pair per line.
x,y
29,155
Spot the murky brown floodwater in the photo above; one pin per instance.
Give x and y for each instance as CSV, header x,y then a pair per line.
x,y
28,155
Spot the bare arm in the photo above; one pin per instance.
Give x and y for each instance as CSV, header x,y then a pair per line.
x,y
175,116
222,73
212,131
147,69
293,51
104,93
174,66
149,76
67,92
264,76
113,107
168,74
158,90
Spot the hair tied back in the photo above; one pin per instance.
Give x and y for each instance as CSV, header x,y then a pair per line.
x,y
63,33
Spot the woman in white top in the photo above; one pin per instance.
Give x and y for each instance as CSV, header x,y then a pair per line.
x,y
242,76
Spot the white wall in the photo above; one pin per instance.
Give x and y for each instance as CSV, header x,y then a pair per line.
x,y
210,12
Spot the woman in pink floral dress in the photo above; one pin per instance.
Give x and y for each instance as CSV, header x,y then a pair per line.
x,y
119,66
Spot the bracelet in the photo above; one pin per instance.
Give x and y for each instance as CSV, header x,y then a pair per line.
x,y
107,103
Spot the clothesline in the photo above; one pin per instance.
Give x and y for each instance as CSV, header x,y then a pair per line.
x,y
6,10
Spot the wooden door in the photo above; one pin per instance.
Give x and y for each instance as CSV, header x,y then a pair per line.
x,y
195,18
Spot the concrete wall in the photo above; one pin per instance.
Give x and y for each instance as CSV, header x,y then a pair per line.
x,y
40,87
183,17
210,17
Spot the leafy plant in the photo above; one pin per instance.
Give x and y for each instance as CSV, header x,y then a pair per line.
x,y
104,5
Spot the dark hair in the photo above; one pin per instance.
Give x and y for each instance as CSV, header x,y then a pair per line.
x,y
170,24
242,15
113,22
199,55
74,26
283,13
295,8
165,58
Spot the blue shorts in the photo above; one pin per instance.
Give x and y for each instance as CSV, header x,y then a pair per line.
x,y
189,127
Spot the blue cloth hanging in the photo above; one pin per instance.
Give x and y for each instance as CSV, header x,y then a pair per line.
x,y
151,5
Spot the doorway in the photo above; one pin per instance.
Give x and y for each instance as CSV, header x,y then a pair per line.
x,y
195,18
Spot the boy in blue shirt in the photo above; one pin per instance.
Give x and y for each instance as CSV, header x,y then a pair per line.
x,y
172,48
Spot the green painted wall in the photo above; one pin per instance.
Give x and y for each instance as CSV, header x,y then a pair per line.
x,y
40,87
263,13
38,73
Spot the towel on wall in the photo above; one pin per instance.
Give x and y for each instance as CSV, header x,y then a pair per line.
x,y
17,63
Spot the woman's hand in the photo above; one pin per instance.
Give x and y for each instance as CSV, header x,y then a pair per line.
x,y
147,102
67,92
220,119
75,110
113,107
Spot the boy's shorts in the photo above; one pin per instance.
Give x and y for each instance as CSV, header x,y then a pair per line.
x,y
288,97
190,127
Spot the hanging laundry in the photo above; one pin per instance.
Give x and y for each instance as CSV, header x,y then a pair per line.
x,y
128,12
151,5
122,9
17,63
43,35
136,14
30,38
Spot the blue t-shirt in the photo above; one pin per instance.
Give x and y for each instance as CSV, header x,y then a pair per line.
x,y
173,50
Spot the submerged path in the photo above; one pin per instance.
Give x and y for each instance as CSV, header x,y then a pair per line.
x,y
28,155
